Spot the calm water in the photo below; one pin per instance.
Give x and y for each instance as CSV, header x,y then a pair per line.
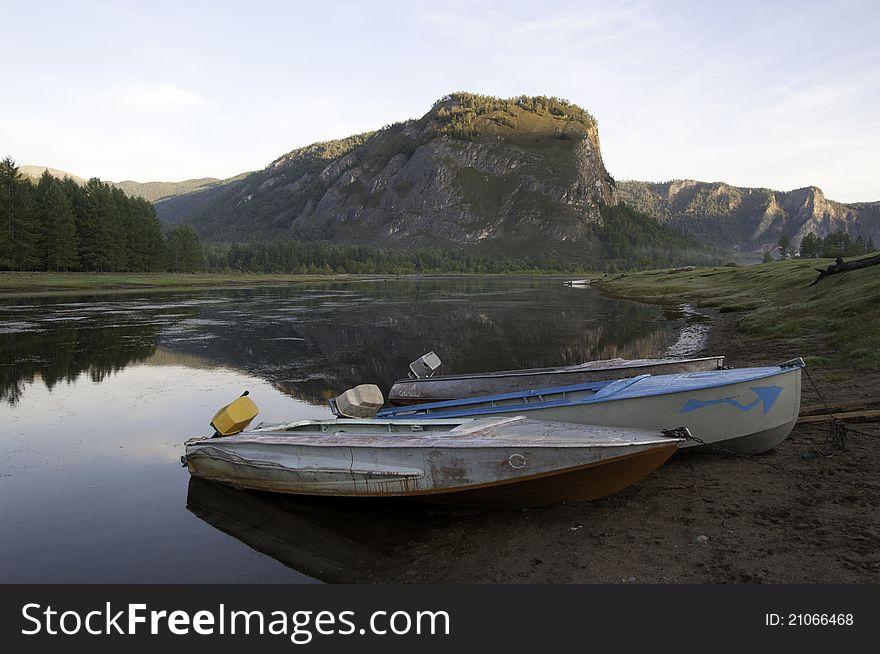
x,y
97,395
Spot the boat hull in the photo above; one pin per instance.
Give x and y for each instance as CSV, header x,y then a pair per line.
x,y
436,389
534,466
737,416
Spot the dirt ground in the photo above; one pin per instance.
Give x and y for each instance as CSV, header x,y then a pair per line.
x,y
783,517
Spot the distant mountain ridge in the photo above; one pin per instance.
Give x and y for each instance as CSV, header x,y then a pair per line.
x,y
149,191
748,219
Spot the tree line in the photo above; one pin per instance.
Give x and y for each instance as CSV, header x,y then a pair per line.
x,y
323,257
836,244
58,225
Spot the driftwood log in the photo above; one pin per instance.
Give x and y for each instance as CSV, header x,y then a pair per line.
x,y
840,266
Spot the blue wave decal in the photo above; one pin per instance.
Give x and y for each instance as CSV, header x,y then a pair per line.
x,y
763,394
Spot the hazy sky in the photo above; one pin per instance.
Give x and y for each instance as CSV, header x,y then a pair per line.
x,y
776,94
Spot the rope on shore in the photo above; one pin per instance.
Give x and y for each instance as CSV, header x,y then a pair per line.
x,y
838,431
752,459
835,441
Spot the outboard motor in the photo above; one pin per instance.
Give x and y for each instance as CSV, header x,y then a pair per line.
x,y
234,417
425,366
362,401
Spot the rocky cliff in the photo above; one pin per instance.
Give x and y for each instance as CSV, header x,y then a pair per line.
x,y
748,219
523,175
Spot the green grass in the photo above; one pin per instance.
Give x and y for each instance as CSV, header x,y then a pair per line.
x,y
776,301
35,283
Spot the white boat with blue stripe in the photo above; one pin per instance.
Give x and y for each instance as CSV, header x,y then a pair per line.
x,y
745,410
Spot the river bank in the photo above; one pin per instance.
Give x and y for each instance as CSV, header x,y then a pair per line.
x,y
834,323
45,284
22,284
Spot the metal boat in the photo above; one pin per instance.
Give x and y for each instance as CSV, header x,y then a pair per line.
x,y
419,389
490,461
747,410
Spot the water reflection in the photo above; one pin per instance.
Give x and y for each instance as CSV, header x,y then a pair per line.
x,y
313,341
334,540
316,538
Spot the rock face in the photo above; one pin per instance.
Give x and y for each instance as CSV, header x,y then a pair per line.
x,y
748,219
524,175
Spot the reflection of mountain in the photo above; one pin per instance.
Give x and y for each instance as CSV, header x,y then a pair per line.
x,y
162,357
329,539
313,347
63,351
314,341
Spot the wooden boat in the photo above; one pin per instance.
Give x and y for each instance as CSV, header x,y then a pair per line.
x,y
490,461
451,387
747,410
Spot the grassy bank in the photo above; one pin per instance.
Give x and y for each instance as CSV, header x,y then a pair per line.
x,y
35,283
836,321
24,284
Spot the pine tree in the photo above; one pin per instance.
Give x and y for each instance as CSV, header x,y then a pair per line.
x,y
8,173
185,251
18,234
93,227
811,246
58,240
119,227
784,246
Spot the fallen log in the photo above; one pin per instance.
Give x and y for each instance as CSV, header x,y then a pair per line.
x,y
839,407
850,416
840,266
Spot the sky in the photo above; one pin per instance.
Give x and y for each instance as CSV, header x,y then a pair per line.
x,y
774,94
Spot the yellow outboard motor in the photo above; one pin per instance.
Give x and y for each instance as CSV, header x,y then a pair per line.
x,y
234,417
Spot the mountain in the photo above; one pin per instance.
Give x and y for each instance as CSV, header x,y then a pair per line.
x,y
156,191
522,176
473,170
748,219
34,173
150,191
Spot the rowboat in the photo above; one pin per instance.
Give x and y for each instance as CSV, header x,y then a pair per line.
x,y
450,387
746,410
489,461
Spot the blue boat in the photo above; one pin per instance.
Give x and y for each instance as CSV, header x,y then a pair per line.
x,y
746,410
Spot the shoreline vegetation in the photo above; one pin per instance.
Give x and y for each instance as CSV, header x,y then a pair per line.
x,y
23,284
834,323
18,284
